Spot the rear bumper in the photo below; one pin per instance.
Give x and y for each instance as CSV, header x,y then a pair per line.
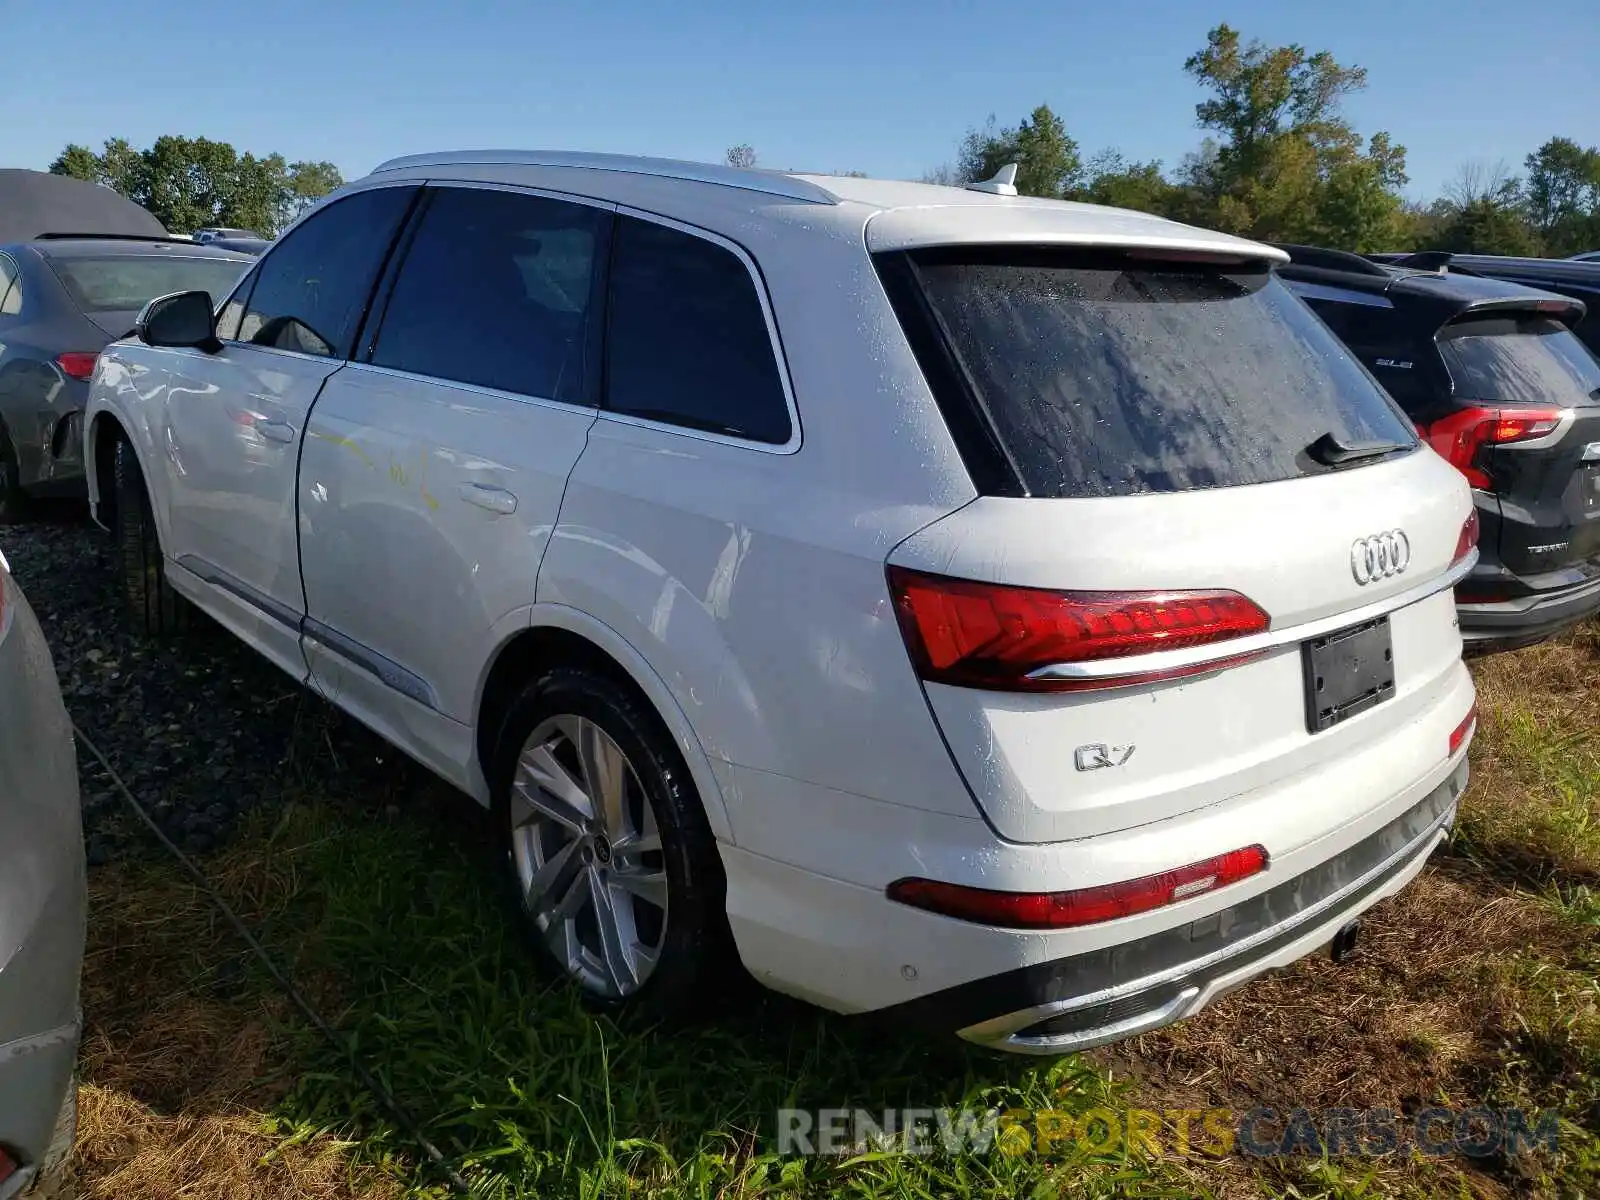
x,y
1088,1000
805,927
48,436
1525,620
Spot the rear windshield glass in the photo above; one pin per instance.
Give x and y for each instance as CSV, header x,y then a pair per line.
x,y
1519,361
127,281
1109,375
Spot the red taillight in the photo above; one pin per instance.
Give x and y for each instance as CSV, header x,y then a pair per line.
x,y
1458,437
8,1165
77,364
1085,906
1467,540
994,636
1463,731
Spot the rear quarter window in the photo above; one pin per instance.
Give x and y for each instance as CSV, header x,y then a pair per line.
x,y
687,340
1106,374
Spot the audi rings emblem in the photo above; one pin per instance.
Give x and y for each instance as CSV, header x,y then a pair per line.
x,y
1380,556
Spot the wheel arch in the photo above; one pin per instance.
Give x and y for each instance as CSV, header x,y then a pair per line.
x,y
105,430
559,635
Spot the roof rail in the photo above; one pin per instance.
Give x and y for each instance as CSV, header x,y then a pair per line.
x,y
770,183
54,236
1330,260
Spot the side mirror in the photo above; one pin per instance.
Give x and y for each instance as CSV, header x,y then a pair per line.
x,y
181,319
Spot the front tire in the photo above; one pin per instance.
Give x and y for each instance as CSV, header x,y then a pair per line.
x,y
152,605
610,861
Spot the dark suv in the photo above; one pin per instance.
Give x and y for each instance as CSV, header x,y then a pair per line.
x,y
1494,378
1578,279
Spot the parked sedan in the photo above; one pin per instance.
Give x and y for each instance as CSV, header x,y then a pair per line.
x,y
1498,383
42,903
61,300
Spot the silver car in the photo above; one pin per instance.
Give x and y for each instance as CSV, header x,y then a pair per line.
x,y
42,903
61,300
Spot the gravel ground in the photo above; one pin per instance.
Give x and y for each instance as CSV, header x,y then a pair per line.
x,y
200,728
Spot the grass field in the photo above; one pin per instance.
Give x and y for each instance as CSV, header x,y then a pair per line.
x,y
1477,986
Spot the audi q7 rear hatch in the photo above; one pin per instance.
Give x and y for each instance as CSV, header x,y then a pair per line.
x,y
1210,556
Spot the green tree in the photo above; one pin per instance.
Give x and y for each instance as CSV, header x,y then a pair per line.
x,y
1048,163
305,186
1562,195
192,182
1484,211
742,155
1113,180
77,162
1286,164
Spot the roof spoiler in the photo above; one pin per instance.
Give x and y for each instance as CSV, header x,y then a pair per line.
x,y
1558,308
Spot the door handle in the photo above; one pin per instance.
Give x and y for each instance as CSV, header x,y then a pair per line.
x,y
486,495
277,431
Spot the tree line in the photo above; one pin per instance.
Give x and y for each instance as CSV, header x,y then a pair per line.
x,y
1280,162
191,183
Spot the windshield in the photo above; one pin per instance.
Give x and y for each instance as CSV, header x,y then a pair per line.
x,y
1519,360
128,281
1107,375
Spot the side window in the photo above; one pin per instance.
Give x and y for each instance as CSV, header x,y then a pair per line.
x,y
687,341
10,288
231,314
312,287
495,290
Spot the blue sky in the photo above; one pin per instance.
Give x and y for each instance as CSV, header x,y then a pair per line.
x,y
823,85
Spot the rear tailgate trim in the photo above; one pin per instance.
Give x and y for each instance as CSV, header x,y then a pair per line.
x,y
1225,653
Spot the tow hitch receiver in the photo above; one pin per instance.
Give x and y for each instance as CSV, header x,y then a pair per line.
x,y
1344,942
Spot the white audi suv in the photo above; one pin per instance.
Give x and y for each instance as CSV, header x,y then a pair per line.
x,y
1019,617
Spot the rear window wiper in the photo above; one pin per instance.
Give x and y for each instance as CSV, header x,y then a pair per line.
x,y
1333,451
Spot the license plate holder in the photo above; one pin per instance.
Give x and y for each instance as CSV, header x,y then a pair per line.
x,y
1347,672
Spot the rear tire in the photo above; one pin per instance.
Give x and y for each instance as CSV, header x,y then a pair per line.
x,y
611,863
142,571
13,501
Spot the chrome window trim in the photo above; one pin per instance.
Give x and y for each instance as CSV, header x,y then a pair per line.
x,y
774,339
1167,660
476,388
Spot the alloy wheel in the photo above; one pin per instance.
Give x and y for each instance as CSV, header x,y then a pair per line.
x,y
588,855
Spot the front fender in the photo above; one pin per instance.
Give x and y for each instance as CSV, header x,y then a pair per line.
x,y
121,393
